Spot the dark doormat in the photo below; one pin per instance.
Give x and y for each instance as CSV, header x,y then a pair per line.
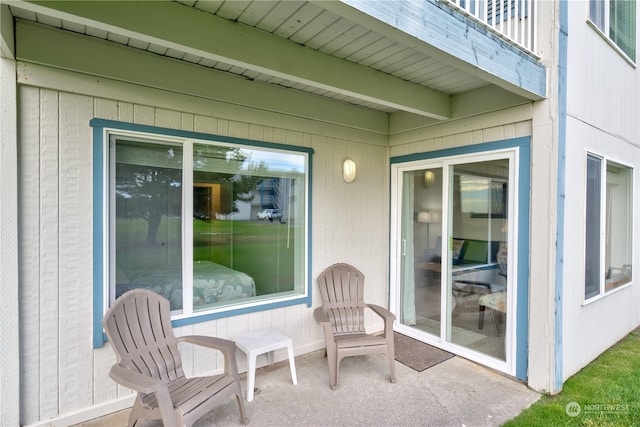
x,y
416,354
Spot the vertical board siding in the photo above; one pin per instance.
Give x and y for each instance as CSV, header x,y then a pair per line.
x,y
29,274
48,256
75,246
60,371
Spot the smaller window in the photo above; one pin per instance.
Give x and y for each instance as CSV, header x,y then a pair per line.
x,y
617,20
609,226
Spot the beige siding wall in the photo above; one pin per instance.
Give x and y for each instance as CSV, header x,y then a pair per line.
x,y
496,126
60,371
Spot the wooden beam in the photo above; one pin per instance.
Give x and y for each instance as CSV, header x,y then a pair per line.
x,y
74,52
468,104
186,29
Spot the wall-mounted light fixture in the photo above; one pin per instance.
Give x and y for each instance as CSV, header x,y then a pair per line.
x,y
349,171
428,218
429,179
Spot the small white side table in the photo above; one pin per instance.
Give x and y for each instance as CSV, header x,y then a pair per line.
x,y
254,343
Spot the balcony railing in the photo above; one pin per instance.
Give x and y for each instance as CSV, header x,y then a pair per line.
x,y
515,20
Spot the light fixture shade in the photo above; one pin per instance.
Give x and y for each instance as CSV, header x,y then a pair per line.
x,y
349,171
429,179
428,217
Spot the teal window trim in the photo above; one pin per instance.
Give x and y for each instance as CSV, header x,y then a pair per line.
x,y
524,185
100,147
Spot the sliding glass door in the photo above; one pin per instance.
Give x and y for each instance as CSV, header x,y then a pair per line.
x,y
452,279
421,252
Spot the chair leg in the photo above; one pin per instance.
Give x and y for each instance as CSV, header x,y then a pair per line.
x,y
332,359
132,420
481,316
392,367
497,321
133,415
240,400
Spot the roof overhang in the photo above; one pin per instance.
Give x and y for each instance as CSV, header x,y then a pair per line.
x,y
428,29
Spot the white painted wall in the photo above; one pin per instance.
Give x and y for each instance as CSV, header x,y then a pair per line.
x,y
62,376
602,108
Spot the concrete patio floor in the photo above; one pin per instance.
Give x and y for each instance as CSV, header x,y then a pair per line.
x,y
456,392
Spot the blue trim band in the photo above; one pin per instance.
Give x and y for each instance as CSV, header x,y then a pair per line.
x,y
195,318
561,188
98,248
467,149
524,206
104,123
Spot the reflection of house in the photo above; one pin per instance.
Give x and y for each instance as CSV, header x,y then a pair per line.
x,y
206,200
273,193
213,201
268,194
400,87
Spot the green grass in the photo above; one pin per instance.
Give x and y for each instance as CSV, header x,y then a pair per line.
x,y
607,392
262,249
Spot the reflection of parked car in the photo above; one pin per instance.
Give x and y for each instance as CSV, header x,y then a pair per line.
x,y
201,215
269,214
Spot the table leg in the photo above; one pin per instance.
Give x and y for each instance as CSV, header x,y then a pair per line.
x,y
251,375
292,364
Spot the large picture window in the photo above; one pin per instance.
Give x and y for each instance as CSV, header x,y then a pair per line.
x,y
216,225
609,222
616,19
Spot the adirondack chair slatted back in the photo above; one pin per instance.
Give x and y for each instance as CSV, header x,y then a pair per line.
x,y
140,332
342,292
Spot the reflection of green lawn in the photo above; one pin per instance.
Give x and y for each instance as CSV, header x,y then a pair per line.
x,y
257,248
261,249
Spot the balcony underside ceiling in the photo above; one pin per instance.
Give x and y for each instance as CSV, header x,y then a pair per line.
x,y
414,62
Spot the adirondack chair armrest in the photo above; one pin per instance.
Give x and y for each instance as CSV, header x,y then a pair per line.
x,y
226,347
388,317
215,343
135,380
321,317
382,312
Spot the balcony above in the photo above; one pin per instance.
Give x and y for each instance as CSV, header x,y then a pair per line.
x,y
418,60
516,20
